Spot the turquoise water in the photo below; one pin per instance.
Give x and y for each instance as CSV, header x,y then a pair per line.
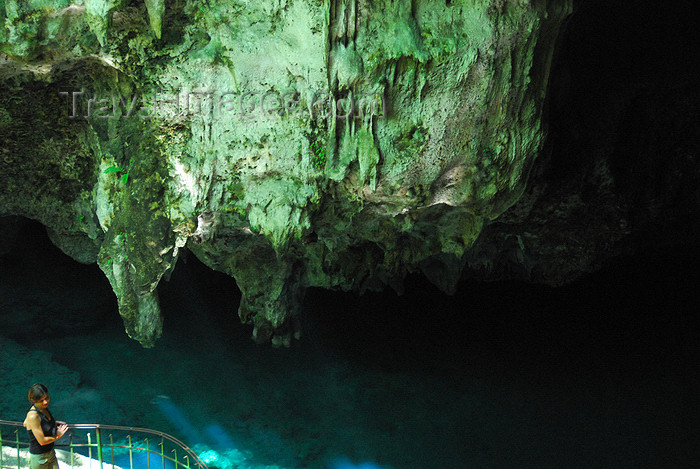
x,y
600,374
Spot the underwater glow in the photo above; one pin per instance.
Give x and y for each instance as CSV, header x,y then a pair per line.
x,y
177,418
344,463
219,437
217,449
142,459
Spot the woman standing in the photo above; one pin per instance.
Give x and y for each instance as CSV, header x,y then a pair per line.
x,y
43,430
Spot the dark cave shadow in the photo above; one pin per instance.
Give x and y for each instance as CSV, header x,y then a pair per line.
x,y
636,313
634,316
50,293
197,301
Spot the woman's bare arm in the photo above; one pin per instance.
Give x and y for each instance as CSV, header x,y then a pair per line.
x,y
33,423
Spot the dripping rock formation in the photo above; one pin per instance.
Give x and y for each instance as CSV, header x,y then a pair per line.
x,y
299,144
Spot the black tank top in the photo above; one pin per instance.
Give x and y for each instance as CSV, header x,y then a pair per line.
x,y
48,426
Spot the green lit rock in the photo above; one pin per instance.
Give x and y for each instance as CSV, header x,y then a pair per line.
x,y
155,8
332,144
98,15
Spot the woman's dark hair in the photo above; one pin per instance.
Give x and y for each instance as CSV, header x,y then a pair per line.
x,y
36,392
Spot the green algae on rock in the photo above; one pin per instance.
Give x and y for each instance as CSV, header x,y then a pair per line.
x,y
428,115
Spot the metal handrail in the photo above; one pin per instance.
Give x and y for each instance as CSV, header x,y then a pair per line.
x,y
100,445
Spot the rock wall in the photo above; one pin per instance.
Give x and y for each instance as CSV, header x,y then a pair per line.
x,y
288,144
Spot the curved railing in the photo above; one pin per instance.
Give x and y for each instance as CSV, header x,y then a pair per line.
x,y
110,446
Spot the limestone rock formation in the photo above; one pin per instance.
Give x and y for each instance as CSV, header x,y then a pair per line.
x,y
337,144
